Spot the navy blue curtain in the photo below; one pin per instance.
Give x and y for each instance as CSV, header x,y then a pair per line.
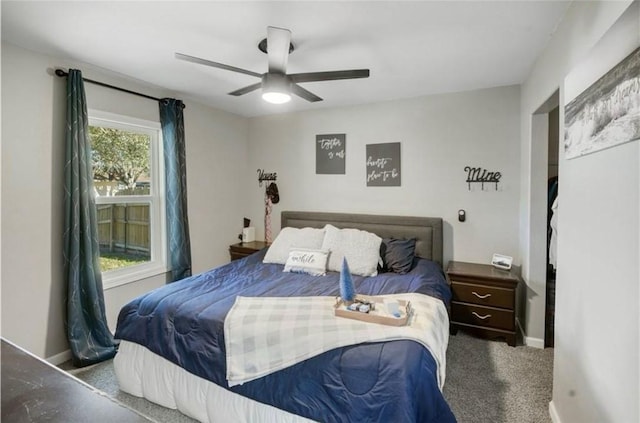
x,y
175,166
89,337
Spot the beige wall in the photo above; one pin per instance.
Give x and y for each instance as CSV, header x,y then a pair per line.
x,y
596,332
439,136
33,112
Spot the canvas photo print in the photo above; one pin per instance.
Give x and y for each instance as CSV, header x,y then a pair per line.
x,y
607,113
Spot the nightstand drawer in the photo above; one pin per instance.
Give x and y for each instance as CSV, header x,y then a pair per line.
x,y
244,249
237,256
483,316
482,294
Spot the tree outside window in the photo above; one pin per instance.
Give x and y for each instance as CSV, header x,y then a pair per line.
x,y
127,185
120,159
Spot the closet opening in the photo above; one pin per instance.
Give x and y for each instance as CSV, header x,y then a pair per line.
x,y
552,207
546,127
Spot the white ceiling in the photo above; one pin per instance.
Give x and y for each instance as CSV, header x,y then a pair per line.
x,y
412,48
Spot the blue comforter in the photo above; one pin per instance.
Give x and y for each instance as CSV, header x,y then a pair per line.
x,y
377,382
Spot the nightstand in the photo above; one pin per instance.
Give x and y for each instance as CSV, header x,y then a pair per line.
x,y
243,249
484,300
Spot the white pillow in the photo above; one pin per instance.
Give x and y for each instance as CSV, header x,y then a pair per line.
x,y
361,248
312,262
288,238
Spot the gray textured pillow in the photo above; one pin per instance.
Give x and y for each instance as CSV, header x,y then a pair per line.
x,y
398,254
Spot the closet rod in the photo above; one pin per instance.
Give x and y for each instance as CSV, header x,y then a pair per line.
x,y
62,73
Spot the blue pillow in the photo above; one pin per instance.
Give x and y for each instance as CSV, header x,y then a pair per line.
x,y
397,254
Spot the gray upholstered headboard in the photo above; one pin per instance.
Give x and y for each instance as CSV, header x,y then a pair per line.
x,y
426,230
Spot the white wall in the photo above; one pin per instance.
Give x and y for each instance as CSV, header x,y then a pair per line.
x,y
33,113
217,151
439,136
596,332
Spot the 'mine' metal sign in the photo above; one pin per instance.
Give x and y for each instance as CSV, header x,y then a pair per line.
x,y
478,175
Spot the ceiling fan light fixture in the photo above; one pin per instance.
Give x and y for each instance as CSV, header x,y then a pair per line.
x,y
274,97
276,88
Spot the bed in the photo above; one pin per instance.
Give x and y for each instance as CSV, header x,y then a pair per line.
x,y
173,347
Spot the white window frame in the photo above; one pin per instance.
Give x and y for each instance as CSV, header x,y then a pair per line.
x,y
156,200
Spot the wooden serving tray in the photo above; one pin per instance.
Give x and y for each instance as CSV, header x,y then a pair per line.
x,y
379,315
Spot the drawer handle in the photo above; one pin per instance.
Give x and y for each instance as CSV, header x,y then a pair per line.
x,y
482,297
480,317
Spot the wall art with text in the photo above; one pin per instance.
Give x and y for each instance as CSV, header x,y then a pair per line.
x,y
383,165
331,154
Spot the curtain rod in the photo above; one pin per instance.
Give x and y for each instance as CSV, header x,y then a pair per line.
x,y
62,73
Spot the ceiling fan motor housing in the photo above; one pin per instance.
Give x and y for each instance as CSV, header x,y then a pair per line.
x,y
276,82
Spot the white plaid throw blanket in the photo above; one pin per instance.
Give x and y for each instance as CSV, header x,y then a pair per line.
x,y
267,334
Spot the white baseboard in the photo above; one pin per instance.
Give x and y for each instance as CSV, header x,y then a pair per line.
x,y
58,359
534,342
553,413
528,340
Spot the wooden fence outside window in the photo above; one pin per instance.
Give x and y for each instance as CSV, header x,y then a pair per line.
x,y
124,228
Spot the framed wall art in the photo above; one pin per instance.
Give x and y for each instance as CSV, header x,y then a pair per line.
x,y
383,165
607,113
331,154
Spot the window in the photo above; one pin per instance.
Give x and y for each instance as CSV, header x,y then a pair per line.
x,y
128,182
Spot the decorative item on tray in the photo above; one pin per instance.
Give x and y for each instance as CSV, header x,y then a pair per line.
x,y
385,311
347,290
361,305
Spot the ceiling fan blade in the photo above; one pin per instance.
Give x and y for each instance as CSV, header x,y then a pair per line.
x,y
329,76
278,40
246,89
301,92
215,64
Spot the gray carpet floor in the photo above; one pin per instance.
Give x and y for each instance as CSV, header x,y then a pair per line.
x,y
491,382
487,382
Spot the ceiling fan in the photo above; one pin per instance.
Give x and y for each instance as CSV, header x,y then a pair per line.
x,y
277,86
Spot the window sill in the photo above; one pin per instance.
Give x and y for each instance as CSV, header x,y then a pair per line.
x,y
132,274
